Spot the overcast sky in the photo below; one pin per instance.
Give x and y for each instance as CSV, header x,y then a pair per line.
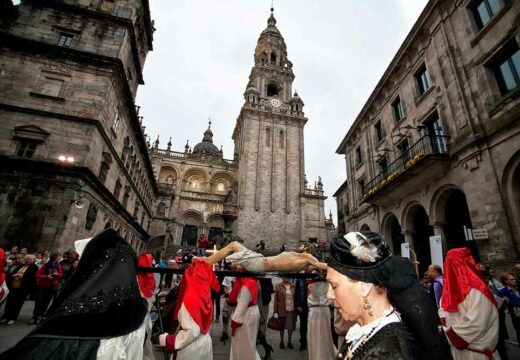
x,y
203,54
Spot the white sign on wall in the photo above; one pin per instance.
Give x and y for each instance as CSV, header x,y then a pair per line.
x,y
436,250
405,250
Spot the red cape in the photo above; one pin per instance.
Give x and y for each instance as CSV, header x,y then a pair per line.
x,y
146,280
195,294
461,274
249,283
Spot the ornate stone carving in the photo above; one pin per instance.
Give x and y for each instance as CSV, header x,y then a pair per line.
x,y
57,70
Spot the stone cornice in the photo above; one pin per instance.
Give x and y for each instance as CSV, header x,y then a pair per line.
x,y
410,38
70,8
54,51
289,118
103,133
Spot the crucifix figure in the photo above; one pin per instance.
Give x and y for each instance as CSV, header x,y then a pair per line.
x,y
287,261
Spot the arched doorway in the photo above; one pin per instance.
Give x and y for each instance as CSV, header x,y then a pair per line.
x,y
393,233
365,227
418,222
456,217
190,231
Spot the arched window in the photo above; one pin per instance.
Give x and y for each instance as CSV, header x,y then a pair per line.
x,y
282,139
161,209
267,136
221,187
272,89
273,57
195,184
117,189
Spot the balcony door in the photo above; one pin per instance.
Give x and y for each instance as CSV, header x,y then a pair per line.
x,y
437,136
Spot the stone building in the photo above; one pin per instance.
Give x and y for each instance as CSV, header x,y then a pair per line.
x,y
200,179
275,203
436,148
74,159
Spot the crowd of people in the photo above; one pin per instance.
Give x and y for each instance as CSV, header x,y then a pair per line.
x,y
362,303
36,277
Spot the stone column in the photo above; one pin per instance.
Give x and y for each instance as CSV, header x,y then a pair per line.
x,y
438,229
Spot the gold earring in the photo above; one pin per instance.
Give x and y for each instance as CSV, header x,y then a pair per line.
x,y
366,306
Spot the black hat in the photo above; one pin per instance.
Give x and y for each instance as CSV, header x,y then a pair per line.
x,y
365,256
359,255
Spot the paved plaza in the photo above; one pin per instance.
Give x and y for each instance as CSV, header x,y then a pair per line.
x,y
9,335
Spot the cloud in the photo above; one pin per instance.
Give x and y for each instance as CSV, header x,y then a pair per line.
x,y
203,53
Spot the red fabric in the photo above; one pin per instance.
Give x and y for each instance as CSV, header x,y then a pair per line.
x,y
456,340
203,242
249,283
234,327
195,294
44,281
461,274
170,343
146,280
2,265
443,321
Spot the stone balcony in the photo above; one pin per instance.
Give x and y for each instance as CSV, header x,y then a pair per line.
x,y
424,161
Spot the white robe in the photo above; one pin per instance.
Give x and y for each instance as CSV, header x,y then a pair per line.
x,y
191,342
476,323
319,336
126,347
243,344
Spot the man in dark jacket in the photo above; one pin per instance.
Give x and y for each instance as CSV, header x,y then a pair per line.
x,y
302,310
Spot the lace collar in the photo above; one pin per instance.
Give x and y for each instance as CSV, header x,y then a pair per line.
x,y
359,335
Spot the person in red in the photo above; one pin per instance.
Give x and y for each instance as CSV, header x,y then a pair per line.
x,y
147,286
245,319
468,311
47,280
194,312
202,244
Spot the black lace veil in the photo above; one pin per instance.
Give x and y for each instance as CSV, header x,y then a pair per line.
x,y
101,300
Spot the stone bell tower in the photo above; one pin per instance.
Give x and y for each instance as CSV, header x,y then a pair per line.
x,y
269,148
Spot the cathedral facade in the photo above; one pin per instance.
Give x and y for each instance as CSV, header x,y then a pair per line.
x,y
267,173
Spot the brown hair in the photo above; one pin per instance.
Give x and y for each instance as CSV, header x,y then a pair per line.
x,y
504,276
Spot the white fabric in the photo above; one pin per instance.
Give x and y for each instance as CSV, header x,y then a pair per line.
x,y
357,331
248,259
126,347
243,344
477,323
319,337
228,281
191,342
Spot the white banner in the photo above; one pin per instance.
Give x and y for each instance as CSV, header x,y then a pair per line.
x,y
436,250
405,250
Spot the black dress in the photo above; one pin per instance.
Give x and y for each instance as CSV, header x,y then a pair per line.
x,y
393,342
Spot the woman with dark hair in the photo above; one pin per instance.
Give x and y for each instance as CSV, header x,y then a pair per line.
x,y
100,312
380,292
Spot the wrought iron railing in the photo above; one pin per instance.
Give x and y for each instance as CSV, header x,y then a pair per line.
x,y
427,145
